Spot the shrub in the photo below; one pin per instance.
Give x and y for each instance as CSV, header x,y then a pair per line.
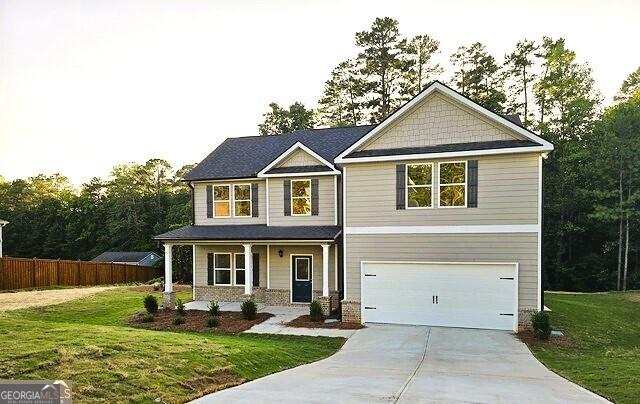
x,y
213,321
179,320
180,307
249,309
156,286
315,311
541,325
214,309
151,304
147,318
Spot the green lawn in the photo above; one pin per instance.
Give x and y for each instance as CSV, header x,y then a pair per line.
x,y
606,329
87,342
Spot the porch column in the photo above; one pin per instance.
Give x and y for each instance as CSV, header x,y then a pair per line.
x,y
169,296
248,269
325,270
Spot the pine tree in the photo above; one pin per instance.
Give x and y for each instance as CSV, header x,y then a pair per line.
x,y
419,67
342,102
519,76
630,87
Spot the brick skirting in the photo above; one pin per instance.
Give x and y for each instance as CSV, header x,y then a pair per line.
x,y
272,297
351,312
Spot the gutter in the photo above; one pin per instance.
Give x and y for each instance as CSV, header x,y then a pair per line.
x,y
193,207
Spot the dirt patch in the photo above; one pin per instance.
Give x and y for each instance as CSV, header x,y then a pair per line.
x,y
149,288
231,322
634,298
39,298
219,380
530,339
306,322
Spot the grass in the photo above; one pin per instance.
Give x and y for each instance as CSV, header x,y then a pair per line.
x,y
86,341
606,331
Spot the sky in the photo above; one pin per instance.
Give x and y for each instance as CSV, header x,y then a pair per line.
x,y
88,84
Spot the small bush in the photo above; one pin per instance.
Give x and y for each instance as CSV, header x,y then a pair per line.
x,y
214,309
147,318
180,307
156,286
151,304
179,320
213,321
315,311
249,309
541,325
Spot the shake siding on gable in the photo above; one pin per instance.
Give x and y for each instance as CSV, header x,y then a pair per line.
x,y
326,210
200,204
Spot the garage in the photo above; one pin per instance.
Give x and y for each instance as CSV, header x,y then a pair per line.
x,y
467,295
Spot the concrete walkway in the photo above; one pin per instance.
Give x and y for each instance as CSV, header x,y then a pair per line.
x,y
406,364
275,325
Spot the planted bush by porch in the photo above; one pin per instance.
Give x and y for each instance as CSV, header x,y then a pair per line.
x,y
315,311
151,304
214,309
249,309
541,325
180,307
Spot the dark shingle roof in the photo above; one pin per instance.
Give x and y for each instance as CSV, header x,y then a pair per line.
x,y
122,256
514,118
298,169
443,148
252,232
245,156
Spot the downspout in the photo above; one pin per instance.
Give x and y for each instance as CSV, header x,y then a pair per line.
x,y
193,208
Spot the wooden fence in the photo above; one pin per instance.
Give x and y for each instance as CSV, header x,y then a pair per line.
x,y
21,273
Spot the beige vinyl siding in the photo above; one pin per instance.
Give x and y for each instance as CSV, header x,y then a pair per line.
x,y
507,194
200,204
438,120
326,200
519,247
280,268
300,158
201,260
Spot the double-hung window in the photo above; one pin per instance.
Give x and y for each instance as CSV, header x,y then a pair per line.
x,y
300,197
242,200
239,269
453,184
419,187
221,201
222,268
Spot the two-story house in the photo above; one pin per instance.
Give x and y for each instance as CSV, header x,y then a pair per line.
x,y
431,217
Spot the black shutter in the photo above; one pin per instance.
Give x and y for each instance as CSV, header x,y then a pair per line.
x,y
287,197
209,201
472,186
314,197
256,269
400,185
210,273
254,199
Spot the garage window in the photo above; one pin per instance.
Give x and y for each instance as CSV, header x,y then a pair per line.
x,y
453,184
419,186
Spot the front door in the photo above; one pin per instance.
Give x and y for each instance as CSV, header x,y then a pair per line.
x,y
301,275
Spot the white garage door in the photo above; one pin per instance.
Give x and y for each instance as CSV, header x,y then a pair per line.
x,y
466,295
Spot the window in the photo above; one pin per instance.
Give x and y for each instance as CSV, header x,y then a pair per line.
x,y
222,268
300,197
303,270
221,201
242,200
419,185
453,184
239,269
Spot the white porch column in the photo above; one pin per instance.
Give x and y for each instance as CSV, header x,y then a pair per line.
x,y
2,224
168,269
325,270
248,269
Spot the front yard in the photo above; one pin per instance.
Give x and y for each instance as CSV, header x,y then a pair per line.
x,y
87,341
606,331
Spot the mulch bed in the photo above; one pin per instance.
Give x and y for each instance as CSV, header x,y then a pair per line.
x,y
305,322
231,322
529,338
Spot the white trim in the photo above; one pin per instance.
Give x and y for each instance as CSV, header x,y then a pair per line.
x,y
459,229
466,181
229,201
267,197
289,151
305,174
441,88
235,268
335,200
291,276
291,197
325,269
233,187
193,282
168,268
540,233
241,241
335,266
406,185
516,268
431,156
268,267
344,238
215,181
230,269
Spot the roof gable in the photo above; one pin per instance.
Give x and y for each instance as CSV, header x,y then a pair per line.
x,y
299,158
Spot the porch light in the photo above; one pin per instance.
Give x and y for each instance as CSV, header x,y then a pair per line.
x,y
280,253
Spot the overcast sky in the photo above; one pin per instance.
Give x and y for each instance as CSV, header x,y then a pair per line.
x,y
88,84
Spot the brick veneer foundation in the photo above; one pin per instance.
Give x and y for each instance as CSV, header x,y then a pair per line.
x,y
351,312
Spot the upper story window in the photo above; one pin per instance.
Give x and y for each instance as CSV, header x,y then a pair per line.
x,y
419,186
221,201
242,200
301,197
453,184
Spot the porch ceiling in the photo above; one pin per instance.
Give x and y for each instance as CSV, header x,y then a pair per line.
x,y
252,232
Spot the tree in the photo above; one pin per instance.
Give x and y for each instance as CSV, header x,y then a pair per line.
x,y
519,76
342,102
279,120
419,67
630,87
478,77
382,64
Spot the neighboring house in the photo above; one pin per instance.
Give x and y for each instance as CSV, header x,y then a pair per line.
x,y
2,224
142,258
431,217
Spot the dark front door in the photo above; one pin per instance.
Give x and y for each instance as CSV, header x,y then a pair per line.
x,y
301,275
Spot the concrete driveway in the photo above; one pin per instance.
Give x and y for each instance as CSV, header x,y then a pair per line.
x,y
406,364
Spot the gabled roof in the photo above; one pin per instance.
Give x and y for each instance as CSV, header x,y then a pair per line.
x,y
269,169
123,256
244,157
